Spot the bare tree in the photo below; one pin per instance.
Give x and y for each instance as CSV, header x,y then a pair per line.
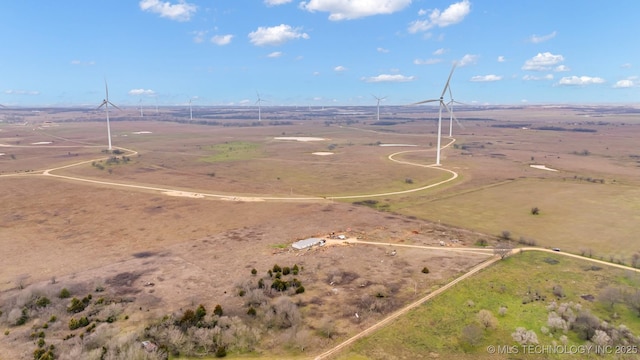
x,y
610,295
472,334
486,319
503,249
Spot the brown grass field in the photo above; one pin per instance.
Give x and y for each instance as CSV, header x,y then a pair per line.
x,y
57,232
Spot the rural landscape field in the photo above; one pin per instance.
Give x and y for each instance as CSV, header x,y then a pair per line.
x,y
177,243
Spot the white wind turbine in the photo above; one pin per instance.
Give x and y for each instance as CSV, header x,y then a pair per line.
x,y
378,104
259,102
190,110
452,117
106,104
442,104
140,103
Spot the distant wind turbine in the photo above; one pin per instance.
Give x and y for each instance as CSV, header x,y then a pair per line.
x,y
106,104
452,117
259,102
141,113
190,110
378,104
442,104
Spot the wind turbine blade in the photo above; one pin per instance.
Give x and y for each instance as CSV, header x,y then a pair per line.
x,y
112,104
106,89
448,80
451,113
104,102
425,101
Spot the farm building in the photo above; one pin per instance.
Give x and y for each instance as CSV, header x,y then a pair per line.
x,y
307,243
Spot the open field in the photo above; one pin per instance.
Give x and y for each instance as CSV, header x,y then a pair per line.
x,y
435,329
197,250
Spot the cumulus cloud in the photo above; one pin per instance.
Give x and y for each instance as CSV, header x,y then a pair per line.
x,y
538,39
275,54
339,68
138,92
388,78
468,59
426,61
354,9
501,58
222,39
532,77
182,11
627,83
561,68
454,14
542,62
276,2
580,80
486,78
276,35
382,50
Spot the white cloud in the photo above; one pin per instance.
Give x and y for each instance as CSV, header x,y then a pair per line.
x,y
561,68
222,39
626,66
426,61
454,14
84,63
382,50
486,78
627,83
276,2
354,9
198,36
276,35
275,54
542,62
531,77
389,78
538,39
440,52
138,92
339,68
182,11
580,80
501,58
468,59
22,92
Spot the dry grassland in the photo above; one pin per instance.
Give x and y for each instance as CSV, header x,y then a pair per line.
x,y
200,250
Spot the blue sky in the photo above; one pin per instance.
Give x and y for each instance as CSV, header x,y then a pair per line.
x,y
318,52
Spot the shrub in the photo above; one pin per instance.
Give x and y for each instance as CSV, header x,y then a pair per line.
x,y
286,270
251,311
221,352
535,211
200,313
254,271
218,310
76,324
276,268
425,270
300,289
295,269
64,293
43,301
77,306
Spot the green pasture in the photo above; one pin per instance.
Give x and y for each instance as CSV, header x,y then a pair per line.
x,y
436,326
232,151
573,215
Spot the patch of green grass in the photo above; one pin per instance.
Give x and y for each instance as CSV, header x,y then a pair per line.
x,y
233,151
436,326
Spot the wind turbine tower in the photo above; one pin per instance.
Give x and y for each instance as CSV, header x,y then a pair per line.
x,y
106,104
378,105
442,104
141,113
452,117
190,110
259,102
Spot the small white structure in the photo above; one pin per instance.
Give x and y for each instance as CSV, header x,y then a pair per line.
x,y
307,243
